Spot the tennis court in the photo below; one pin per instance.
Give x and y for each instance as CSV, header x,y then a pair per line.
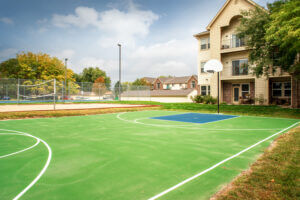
x,y
133,155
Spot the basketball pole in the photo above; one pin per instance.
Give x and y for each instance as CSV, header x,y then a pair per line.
x,y
218,92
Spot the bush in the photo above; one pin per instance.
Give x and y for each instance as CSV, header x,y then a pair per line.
x,y
204,99
198,99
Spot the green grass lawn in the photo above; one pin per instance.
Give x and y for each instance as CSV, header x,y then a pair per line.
x,y
128,156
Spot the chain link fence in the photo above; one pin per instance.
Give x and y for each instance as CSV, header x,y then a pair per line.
x,y
31,91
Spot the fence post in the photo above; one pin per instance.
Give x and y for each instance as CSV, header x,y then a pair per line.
x,y
18,92
54,94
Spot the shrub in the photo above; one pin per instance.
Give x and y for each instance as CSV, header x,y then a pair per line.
x,y
198,99
204,99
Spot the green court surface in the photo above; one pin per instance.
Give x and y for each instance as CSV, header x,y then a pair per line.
x,y
128,155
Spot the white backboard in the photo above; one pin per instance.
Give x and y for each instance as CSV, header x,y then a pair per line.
x,y
212,66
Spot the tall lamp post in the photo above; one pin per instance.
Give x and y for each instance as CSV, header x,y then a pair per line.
x,y
213,66
66,71
119,71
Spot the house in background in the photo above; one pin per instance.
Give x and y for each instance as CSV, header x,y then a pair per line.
x,y
166,89
237,83
173,83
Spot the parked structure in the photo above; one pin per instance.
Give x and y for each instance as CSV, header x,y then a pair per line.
x,y
238,84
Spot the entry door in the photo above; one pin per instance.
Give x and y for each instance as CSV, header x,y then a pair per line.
x,y
236,94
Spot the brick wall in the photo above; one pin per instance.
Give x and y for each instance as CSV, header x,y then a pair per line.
x,y
189,83
155,85
227,92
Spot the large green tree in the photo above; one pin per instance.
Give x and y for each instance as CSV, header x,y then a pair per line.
x,y
273,37
90,74
35,66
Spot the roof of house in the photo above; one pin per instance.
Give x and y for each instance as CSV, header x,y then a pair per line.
x,y
201,33
224,6
157,93
174,80
149,79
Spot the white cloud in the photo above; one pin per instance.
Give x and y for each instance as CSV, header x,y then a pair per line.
x,y
115,25
7,20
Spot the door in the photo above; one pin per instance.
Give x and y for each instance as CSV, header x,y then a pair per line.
x,y
236,94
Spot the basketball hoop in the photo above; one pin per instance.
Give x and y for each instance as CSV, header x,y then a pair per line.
x,y
213,66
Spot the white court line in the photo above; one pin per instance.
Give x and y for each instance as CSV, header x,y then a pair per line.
x,y
44,168
136,121
14,153
216,165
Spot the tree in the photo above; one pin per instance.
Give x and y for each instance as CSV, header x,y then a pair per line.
x,y
140,82
273,37
90,74
253,29
283,32
35,66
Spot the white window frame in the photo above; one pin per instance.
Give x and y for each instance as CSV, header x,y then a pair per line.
x,y
202,63
204,43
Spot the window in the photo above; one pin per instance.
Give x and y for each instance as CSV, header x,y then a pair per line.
x,y
202,67
205,43
168,86
240,67
287,89
281,89
193,84
245,90
277,89
236,41
158,85
205,90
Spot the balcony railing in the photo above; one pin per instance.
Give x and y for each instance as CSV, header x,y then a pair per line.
x,y
232,43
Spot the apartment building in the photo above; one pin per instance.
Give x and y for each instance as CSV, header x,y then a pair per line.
x,y
237,83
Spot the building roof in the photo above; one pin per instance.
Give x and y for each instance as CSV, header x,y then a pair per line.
x,y
157,93
149,79
224,6
174,80
202,33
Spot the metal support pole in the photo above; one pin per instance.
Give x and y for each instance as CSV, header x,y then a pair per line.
x,y
66,71
218,92
119,72
54,93
18,92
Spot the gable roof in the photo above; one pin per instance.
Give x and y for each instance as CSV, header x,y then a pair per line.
x,y
149,79
174,80
224,6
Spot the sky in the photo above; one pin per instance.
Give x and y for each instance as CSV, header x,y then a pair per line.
x,y
156,35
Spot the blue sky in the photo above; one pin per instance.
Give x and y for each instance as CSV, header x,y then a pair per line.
x,y
157,35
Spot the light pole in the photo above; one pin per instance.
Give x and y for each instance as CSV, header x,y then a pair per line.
x,y
66,69
119,71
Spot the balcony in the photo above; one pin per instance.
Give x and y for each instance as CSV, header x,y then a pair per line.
x,y
233,45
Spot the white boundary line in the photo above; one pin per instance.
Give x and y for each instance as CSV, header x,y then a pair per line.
x,y
216,165
44,168
37,142
136,121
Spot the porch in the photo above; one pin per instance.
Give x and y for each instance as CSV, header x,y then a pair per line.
x,y
238,91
